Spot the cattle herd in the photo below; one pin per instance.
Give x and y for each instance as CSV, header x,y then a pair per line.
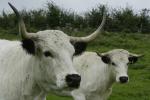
x,y
51,61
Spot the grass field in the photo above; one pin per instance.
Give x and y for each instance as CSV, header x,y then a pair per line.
x,y
139,86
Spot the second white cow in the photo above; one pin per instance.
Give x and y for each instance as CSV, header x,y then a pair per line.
x,y
99,72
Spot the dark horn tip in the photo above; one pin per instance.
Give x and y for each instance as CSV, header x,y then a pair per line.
x,y
10,5
14,9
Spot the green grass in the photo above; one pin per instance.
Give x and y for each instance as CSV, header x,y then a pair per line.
x,y
139,86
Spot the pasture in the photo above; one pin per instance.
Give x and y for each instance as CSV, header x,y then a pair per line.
x,y
138,87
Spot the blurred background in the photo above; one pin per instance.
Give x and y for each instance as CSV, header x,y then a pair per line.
x,y
127,27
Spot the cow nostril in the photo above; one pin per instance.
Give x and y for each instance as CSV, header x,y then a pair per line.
x,y
123,79
73,80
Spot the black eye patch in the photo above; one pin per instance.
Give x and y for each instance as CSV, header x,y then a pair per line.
x,y
48,54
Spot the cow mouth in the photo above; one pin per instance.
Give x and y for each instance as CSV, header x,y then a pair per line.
x,y
73,85
122,82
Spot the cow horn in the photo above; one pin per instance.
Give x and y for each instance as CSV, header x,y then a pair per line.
x,y
22,27
135,55
93,35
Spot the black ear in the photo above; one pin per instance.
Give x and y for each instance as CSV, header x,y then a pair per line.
x,y
132,59
106,59
29,46
80,47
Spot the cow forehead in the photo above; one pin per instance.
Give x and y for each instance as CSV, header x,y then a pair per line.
x,y
54,39
119,55
53,35
118,52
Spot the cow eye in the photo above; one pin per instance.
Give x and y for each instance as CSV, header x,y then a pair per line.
x,y
48,54
113,63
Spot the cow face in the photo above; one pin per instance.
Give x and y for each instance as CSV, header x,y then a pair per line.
x,y
118,60
55,52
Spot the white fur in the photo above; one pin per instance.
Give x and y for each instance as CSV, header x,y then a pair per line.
x,y
27,77
98,77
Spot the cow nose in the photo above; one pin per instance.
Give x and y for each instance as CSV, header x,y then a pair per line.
x,y
73,80
123,79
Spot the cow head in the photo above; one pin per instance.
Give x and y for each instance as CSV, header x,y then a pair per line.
x,y
118,60
53,51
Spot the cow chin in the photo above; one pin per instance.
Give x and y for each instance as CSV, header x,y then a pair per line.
x,y
58,86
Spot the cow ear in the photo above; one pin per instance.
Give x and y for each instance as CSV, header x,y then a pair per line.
x,y
80,47
132,59
29,46
105,58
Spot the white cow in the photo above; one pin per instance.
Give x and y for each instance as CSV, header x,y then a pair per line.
x,y
40,63
99,72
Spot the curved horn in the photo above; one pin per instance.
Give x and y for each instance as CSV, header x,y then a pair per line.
x,y
22,27
135,55
93,35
